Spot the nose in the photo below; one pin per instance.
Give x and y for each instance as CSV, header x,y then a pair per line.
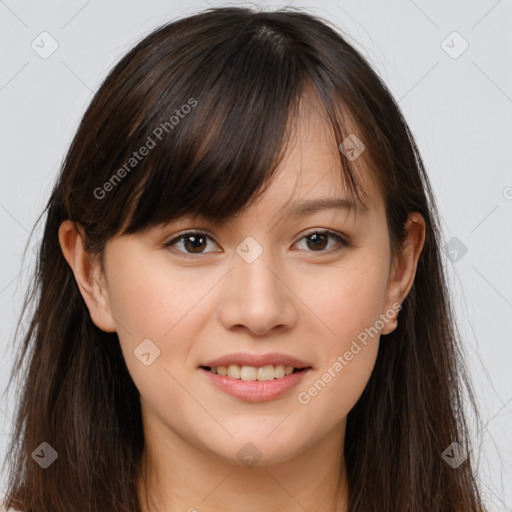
x,y
256,296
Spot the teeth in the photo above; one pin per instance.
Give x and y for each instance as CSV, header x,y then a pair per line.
x,y
233,371
251,373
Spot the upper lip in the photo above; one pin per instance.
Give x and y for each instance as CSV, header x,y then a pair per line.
x,y
257,360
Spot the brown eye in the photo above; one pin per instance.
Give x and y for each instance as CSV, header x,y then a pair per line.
x,y
191,242
319,240
194,243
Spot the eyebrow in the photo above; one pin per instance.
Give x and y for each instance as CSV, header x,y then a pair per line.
x,y
302,208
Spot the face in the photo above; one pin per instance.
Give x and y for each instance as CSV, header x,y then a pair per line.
x,y
316,285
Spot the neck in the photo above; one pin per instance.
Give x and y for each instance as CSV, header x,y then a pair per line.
x,y
177,477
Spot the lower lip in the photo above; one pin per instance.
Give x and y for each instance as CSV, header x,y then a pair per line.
x,y
256,391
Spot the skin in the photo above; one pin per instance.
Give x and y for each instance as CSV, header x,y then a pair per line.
x,y
292,299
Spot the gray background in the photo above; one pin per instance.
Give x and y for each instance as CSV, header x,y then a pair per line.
x,y
459,109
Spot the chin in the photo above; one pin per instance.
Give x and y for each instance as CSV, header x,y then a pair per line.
x,y
256,449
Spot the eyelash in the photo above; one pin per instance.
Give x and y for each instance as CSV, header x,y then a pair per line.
x,y
341,242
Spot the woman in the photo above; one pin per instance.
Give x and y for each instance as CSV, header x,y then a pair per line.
x,y
241,299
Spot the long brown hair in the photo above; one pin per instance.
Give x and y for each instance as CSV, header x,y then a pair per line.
x,y
210,97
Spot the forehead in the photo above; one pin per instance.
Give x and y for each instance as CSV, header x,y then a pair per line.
x,y
311,172
310,168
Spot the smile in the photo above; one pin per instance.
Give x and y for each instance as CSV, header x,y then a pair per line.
x,y
250,373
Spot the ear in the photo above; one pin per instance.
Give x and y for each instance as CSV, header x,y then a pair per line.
x,y
88,275
403,269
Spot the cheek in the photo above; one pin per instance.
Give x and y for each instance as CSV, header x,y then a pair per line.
x,y
349,298
139,301
152,301
348,356
349,305
149,298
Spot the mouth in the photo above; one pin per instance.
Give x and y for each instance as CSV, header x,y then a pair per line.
x,y
255,377
255,384
253,373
